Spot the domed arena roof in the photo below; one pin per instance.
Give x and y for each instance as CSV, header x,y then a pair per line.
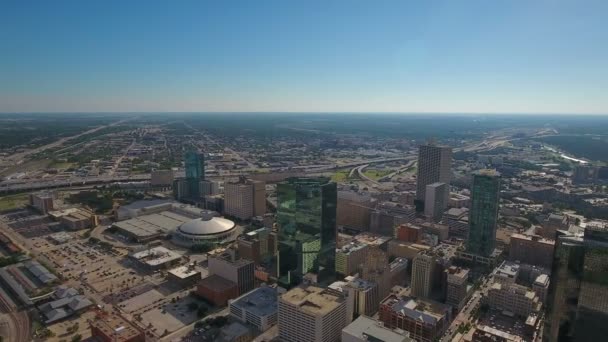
x,y
206,226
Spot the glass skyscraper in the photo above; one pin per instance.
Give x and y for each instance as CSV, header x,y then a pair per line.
x,y
195,172
577,305
306,219
483,215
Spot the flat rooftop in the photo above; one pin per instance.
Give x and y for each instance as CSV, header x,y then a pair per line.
x,y
149,225
535,238
418,309
116,327
156,256
371,239
508,268
312,299
183,272
261,301
216,283
365,327
351,247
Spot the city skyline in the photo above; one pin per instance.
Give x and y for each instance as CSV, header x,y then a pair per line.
x,y
432,57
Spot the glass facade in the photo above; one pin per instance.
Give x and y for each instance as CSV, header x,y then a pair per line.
x,y
306,219
577,305
483,214
195,172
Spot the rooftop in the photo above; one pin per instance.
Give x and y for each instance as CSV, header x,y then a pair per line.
x,y
372,330
312,299
183,272
508,269
417,309
148,225
351,247
487,172
156,256
116,327
146,204
371,239
206,226
542,280
261,301
216,283
536,238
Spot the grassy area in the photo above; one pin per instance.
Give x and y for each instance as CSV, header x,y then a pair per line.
x,y
13,201
340,176
61,165
376,174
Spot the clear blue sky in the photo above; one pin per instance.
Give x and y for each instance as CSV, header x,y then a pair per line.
x,y
529,56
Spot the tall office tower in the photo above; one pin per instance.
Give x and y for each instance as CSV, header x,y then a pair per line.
x,y
434,200
309,314
577,301
195,172
306,221
434,165
245,198
485,195
423,270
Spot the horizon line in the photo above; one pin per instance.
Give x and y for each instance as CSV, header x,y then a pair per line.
x,y
302,112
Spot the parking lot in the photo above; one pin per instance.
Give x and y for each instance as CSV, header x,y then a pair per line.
x,y
29,223
509,324
161,311
91,266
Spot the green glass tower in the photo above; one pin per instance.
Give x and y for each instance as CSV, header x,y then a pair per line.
x,y
483,215
577,300
306,218
195,173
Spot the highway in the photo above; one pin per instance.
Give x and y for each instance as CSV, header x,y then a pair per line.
x,y
20,185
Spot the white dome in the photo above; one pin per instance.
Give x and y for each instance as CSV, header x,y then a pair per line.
x,y
206,226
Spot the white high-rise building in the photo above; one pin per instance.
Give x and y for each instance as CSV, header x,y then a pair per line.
x,y
245,198
434,165
309,314
435,200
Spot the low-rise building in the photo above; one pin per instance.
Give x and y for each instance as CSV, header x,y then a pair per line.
x,y
217,290
114,328
407,250
66,302
156,257
408,233
513,298
366,329
424,320
185,275
257,307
